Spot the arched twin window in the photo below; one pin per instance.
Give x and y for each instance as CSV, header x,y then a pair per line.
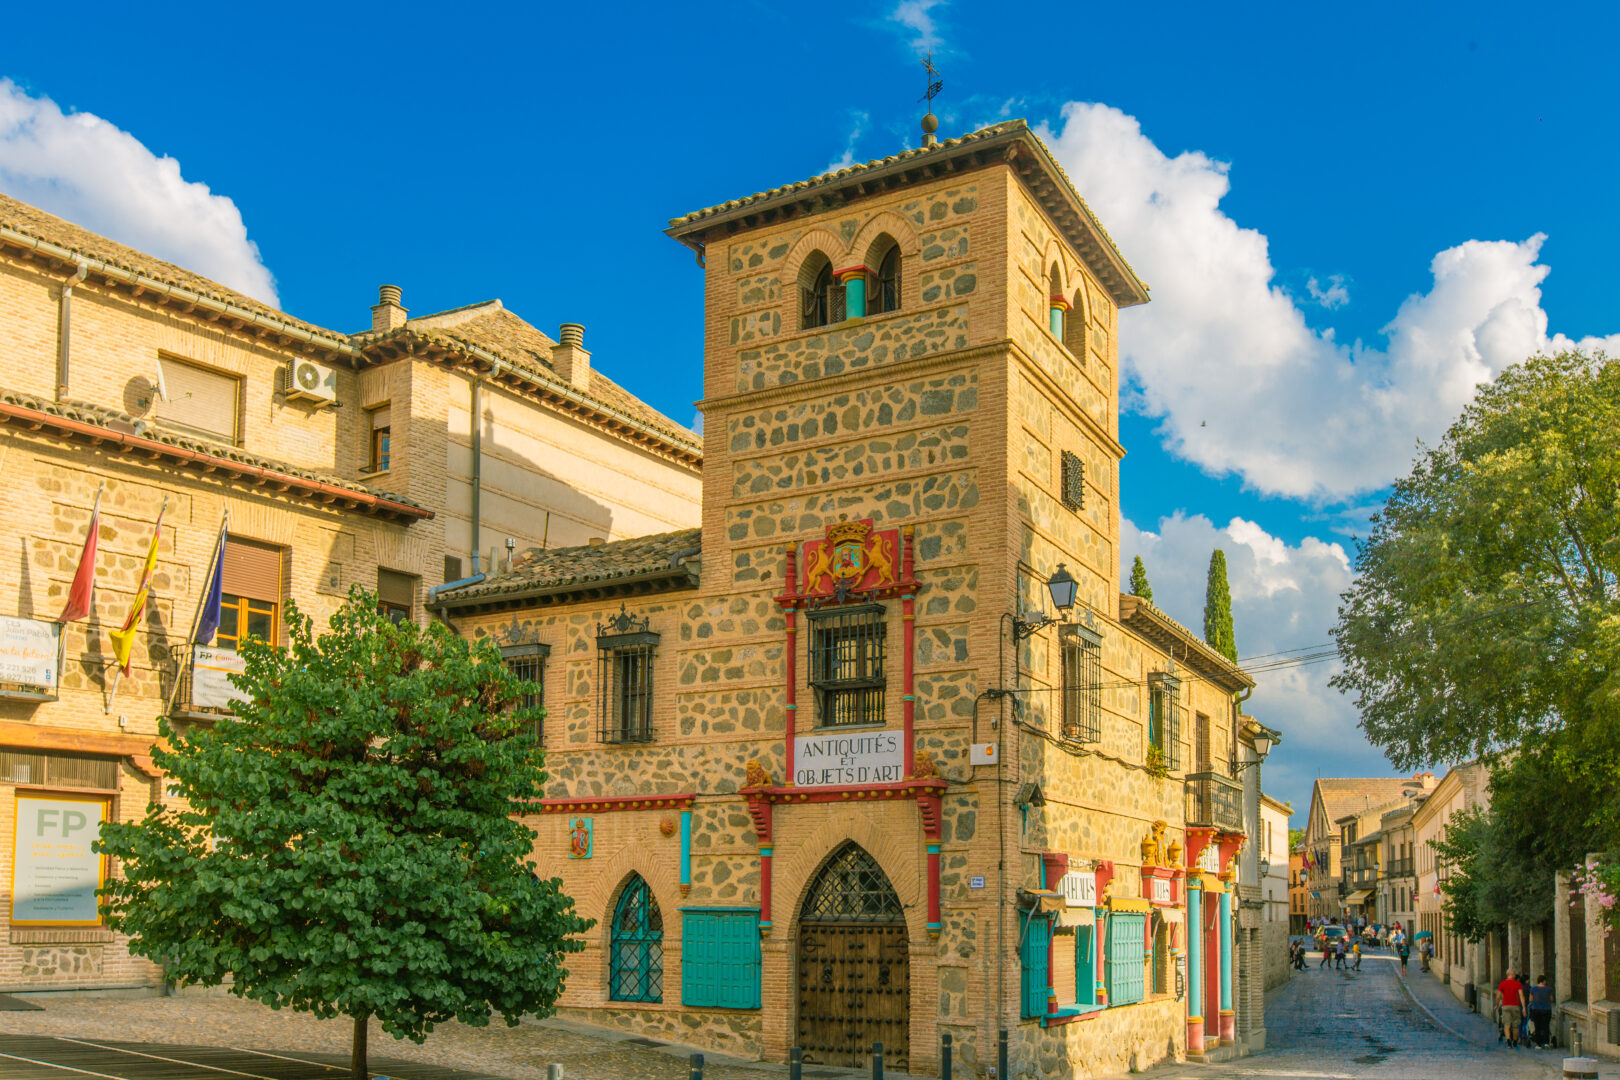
x,y
636,949
886,286
825,300
816,293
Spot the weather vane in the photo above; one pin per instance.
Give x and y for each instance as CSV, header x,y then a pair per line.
x,y
934,83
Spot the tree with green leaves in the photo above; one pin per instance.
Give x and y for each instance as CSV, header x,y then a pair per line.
x,y
1485,613
1139,581
348,842
1218,629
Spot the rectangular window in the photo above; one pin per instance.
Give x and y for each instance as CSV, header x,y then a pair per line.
x,y
1082,684
58,770
1037,933
846,664
1074,481
625,647
528,662
381,427
396,595
720,958
1085,966
199,401
1126,956
251,589
1164,717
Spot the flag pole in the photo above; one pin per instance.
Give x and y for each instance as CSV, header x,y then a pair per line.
x,y
196,615
61,627
118,671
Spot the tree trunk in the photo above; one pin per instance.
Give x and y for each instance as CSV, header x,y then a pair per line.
x,y
357,1059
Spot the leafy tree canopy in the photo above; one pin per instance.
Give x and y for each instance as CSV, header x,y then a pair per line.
x,y
347,843
1488,885
1139,581
1218,630
1485,614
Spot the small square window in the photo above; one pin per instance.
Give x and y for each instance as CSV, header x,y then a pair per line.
x,y
1074,481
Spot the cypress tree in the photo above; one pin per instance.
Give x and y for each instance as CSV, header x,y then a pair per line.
x,y
1218,630
1139,581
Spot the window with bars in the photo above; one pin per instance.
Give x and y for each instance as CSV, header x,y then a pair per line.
x,y
528,662
1164,717
1082,684
625,647
852,887
636,951
846,664
1074,481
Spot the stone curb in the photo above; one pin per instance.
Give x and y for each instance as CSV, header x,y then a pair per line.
x,y
1552,1069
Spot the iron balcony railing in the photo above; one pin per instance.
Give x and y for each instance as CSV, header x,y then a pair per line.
x,y
1398,868
1214,800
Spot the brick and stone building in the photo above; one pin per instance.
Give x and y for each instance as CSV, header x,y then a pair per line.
x,y
1274,888
833,768
385,459
1333,822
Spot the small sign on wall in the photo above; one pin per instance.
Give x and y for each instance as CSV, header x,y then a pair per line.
x,y
1161,890
864,758
579,837
976,881
1079,888
982,753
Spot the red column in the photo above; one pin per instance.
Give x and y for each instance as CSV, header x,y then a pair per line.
x,y
764,892
933,890
791,660
908,614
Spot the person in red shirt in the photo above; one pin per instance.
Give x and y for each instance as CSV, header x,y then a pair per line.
x,y
1510,998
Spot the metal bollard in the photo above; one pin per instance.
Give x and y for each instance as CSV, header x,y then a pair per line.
x,y
877,1061
1575,1038
944,1056
697,1067
795,1063
554,1072
1001,1055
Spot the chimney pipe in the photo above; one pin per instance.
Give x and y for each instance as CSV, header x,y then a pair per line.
x,y
387,314
570,359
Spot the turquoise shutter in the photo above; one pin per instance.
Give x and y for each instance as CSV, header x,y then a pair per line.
x,y
1124,961
1034,965
1085,972
720,962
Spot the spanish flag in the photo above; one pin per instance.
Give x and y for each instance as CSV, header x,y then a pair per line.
x,y
123,639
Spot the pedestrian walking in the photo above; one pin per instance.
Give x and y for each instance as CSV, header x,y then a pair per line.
x,y
1540,1006
1342,951
1405,952
1327,953
1357,949
1510,998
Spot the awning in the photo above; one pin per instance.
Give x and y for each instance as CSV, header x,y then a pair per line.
x,y
1358,898
1041,900
1077,916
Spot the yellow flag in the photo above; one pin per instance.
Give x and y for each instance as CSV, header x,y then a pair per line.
x,y
123,639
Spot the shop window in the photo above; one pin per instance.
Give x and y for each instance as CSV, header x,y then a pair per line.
x,y
846,664
251,590
1125,958
528,662
199,401
1037,935
381,431
720,958
396,595
1164,718
625,647
886,285
1082,684
636,949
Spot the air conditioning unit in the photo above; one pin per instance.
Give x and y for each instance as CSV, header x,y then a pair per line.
x,y
309,381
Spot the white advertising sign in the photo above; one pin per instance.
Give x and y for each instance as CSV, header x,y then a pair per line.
x,y
1079,888
28,652
56,873
211,670
868,757
1161,891
1209,859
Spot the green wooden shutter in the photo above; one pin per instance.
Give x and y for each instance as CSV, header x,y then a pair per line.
x,y
1126,934
1085,968
720,958
1034,965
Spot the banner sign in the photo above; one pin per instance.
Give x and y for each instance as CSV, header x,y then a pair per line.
x,y
28,652
1079,888
872,757
1161,890
55,873
211,670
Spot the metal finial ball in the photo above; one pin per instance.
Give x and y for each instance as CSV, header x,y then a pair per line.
x,y
930,123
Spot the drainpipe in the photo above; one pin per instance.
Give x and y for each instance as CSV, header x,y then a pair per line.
x,y
477,465
64,329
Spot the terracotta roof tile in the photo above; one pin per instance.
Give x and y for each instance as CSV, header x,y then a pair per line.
x,y
1357,795
588,566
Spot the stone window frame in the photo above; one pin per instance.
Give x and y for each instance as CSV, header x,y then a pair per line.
x,y
1072,481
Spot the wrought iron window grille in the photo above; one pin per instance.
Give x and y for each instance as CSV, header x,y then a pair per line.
x,y
636,951
1074,481
1082,682
527,661
625,649
1164,716
847,646
852,887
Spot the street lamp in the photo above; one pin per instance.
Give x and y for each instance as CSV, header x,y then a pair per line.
x,y
1264,740
1062,587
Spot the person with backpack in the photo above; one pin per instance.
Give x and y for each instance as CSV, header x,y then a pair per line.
x,y
1405,952
1540,1008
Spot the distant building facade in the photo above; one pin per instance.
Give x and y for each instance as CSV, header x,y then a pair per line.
x,y
1334,821
1275,886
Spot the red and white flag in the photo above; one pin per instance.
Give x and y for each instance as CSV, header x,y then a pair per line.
x,y
84,579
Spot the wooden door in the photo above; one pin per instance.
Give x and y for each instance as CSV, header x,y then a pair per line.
x,y
854,990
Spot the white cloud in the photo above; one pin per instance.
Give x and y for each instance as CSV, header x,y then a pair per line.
x,y
82,168
1284,597
858,122
915,15
1224,357
1334,296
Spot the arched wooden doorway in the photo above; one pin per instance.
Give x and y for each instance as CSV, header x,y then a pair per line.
x,y
854,965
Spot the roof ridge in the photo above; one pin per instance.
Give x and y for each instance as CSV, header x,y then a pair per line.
x,y
456,315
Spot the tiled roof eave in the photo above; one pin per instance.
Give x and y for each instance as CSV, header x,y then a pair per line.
x,y
688,451
1170,635
477,599
325,491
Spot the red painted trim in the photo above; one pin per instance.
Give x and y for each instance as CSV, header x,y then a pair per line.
x,y
850,271
764,887
1105,877
609,804
1229,843
931,788
933,889
302,486
1060,302
760,811
908,616
790,583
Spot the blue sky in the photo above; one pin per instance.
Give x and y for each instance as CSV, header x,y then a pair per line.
x,y
1348,217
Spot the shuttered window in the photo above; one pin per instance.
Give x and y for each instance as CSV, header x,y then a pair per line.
x,y
1126,957
199,401
720,963
1037,934
251,584
396,594
1085,965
